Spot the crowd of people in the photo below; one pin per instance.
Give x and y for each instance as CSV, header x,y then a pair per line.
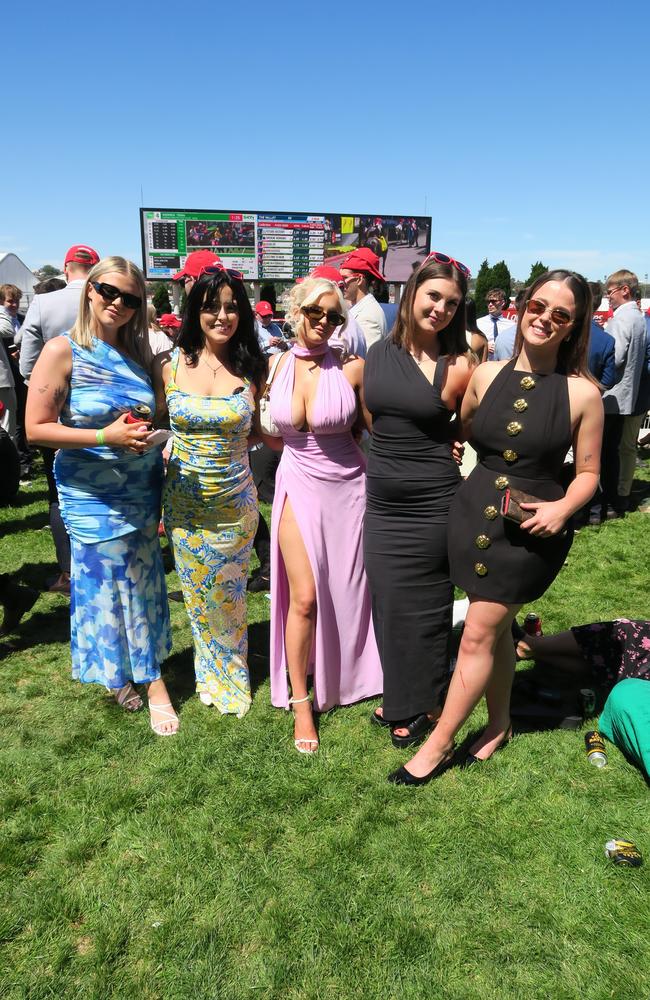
x,y
356,428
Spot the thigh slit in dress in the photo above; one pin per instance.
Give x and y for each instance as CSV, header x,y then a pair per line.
x,y
322,474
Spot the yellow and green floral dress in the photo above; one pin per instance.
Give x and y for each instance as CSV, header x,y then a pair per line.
x,y
210,515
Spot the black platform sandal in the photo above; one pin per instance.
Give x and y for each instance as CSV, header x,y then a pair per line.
x,y
418,727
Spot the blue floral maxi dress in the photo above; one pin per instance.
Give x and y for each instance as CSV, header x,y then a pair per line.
x,y
110,503
210,514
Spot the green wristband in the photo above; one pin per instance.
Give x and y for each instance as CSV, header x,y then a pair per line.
x,y
100,437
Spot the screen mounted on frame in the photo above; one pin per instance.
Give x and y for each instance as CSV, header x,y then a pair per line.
x,y
280,246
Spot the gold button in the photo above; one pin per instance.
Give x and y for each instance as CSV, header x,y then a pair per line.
x,y
480,569
482,542
491,512
514,428
527,382
510,455
501,482
520,405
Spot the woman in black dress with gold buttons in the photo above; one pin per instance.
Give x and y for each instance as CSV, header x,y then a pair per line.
x,y
522,416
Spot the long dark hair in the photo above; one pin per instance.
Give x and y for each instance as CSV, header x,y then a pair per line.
x,y
245,356
452,339
470,317
573,352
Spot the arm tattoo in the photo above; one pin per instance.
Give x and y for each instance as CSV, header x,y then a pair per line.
x,y
43,388
587,458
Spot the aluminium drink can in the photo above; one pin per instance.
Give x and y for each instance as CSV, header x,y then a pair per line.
x,y
624,852
532,624
138,414
595,747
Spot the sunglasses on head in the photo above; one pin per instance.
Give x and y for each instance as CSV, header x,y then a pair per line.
x,y
558,316
443,258
111,294
315,313
220,269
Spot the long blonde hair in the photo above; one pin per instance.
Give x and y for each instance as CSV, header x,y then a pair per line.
x,y
133,335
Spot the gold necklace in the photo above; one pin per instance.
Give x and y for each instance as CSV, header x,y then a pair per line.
x,y
213,370
423,359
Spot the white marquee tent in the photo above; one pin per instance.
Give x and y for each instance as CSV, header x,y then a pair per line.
x,y
14,272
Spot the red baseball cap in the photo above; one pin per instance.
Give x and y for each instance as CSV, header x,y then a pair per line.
x,y
170,319
264,308
81,254
328,272
365,260
196,262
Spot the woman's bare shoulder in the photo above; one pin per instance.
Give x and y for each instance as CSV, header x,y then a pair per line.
x,y
584,390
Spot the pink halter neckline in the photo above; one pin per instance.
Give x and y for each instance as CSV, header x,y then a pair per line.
x,y
301,351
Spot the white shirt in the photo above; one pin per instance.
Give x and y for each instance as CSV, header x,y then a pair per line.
x,y
159,342
486,326
370,317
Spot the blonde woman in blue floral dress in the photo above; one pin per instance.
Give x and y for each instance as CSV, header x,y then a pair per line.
x,y
210,504
109,481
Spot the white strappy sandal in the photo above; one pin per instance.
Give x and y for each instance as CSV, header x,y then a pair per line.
x,y
166,717
304,745
127,697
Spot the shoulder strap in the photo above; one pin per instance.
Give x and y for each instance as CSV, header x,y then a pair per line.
x,y
272,370
441,368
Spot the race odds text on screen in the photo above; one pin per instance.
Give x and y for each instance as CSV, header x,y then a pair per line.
x,y
280,246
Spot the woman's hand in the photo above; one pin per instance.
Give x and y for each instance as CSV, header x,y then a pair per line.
x,y
549,518
121,434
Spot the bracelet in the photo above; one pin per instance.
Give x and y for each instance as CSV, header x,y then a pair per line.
x,y
99,435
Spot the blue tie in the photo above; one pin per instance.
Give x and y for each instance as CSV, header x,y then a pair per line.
x,y
495,326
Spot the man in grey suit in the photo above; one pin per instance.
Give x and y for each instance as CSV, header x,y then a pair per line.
x,y
49,316
618,454
54,313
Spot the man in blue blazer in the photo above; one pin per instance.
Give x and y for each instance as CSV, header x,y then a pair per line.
x,y
602,346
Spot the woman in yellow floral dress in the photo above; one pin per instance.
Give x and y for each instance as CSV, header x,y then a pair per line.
x,y
210,504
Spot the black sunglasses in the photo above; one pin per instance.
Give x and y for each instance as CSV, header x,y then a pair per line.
x,y
315,313
111,294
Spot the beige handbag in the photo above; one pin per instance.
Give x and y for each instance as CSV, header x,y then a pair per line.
x,y
267,423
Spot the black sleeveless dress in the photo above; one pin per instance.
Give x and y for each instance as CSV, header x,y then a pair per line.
x,y
411,481
522,432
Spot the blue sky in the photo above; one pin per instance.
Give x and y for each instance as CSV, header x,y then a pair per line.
x,y
522,127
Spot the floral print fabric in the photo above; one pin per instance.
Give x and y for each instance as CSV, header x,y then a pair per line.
x,y
210,514
106,492
617,649
118,610
110,503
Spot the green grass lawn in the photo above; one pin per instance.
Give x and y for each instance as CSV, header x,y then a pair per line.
x,y
221,864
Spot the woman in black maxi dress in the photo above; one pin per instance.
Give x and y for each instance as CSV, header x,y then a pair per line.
x,y
522,415
413,383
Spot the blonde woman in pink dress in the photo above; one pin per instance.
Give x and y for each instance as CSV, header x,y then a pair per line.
x,y
321,623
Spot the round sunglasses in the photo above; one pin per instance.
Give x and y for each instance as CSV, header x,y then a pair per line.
x,y
111,294
558,316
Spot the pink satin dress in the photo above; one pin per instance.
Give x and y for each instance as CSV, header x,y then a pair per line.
x,y
323,474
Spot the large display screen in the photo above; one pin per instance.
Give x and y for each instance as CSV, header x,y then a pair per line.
x,y
280,246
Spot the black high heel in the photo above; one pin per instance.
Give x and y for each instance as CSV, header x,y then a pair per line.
x,y
472,759
403,777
